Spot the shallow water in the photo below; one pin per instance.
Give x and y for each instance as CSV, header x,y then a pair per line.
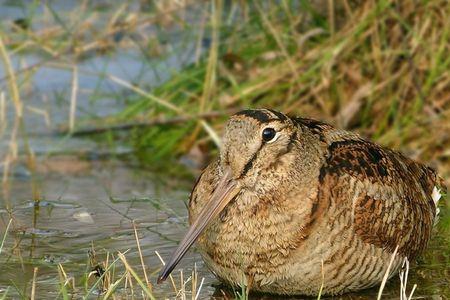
x,y
93,205
90,203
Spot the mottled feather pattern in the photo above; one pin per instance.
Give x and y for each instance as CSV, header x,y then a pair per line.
x,y
392,209
341,200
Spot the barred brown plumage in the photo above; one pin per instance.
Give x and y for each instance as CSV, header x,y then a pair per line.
x,y
307,205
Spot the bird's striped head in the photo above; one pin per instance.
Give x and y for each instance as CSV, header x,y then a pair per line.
x,y
256,139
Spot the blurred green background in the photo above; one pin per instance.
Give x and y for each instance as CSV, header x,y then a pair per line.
x,y
109,110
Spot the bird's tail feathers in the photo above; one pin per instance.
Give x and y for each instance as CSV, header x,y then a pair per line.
x,y
438,192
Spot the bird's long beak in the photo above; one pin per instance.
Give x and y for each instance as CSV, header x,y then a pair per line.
x,y
225,191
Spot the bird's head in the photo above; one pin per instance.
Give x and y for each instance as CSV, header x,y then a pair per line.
x,y
254,142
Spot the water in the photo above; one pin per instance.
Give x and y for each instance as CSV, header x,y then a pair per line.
x,y
94,205
88,203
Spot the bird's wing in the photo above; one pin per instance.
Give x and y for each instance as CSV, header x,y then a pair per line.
x,y
390,195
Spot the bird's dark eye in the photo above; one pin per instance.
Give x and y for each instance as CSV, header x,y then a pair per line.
x,y
268,134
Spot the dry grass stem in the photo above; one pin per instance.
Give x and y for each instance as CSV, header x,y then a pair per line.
x,y
41,112
141,257
387,273
170,276
199,289
211,72
149,96
404,281
129,269
33,285
182,292
278,39
3,123
4,235
73,98
323,282
12,82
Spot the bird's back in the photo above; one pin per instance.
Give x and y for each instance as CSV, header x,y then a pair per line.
x,y
395,203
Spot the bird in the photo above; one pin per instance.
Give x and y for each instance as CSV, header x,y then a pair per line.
x,y
295,206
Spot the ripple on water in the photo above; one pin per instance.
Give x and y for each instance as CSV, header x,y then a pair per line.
x,y
54,259
42,232
45,203
70,234
123,236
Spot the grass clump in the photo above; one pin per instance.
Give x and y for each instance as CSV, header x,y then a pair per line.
x,y
378,67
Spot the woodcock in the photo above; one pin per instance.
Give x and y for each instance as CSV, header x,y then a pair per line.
x,y
294,203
